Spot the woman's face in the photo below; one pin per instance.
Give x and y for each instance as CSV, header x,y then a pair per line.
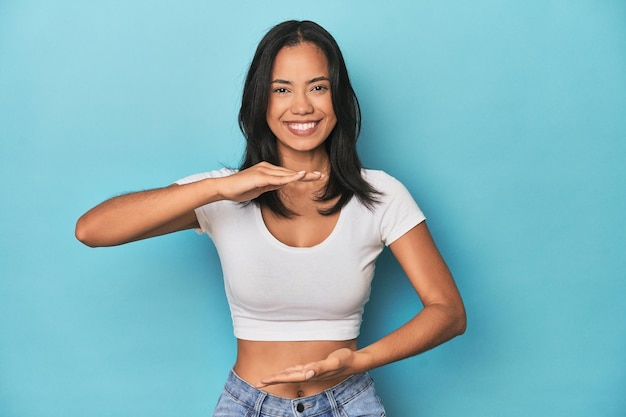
x,y
300,110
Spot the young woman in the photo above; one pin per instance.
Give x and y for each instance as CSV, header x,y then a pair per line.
x,y
298,228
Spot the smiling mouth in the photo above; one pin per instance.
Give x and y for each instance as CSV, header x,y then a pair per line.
x,y
302,129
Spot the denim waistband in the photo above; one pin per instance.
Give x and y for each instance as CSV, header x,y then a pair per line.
x,y
325,402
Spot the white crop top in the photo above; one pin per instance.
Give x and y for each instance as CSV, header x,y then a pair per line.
x,y
281,293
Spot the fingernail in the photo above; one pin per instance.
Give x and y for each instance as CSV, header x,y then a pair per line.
x,y
310,374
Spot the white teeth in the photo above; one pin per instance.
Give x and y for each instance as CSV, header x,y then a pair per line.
x,y
302,126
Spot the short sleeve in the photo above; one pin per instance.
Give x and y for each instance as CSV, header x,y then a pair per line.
x,y
398,211
207,213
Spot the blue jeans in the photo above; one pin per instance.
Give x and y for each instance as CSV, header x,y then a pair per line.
x,y
352,397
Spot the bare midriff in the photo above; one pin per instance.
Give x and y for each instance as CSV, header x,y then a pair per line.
x,y
257,360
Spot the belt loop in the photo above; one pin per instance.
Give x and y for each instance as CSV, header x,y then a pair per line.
x,y
259,403
333,403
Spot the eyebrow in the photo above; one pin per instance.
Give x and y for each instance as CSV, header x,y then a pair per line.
x,y
312,81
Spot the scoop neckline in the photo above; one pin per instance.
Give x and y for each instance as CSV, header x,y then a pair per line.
x,y
275,241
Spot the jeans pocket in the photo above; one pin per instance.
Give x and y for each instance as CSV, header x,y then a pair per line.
x,y
229,407
366,404
369,414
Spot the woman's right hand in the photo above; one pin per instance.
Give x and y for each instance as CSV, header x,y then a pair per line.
x,y
263,177
144,214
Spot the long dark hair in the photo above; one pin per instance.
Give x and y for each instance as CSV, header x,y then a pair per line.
x,y
345,178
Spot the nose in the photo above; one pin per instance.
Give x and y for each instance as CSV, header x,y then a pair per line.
x,y
301,104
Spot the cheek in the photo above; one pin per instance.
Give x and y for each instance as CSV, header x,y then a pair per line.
x,y
331,114
272,117
329,107
274,110
270,114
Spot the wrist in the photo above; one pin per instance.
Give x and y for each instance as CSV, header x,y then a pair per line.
x,y
208,191
363,361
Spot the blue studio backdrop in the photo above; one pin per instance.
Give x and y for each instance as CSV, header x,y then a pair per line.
x,y
505,119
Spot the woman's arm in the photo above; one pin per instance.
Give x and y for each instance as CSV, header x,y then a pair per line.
x,y
144,214
443,316
441,319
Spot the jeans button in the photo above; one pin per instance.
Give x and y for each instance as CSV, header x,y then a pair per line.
x,y
300,407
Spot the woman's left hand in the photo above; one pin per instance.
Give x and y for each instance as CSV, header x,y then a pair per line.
x,y
338,363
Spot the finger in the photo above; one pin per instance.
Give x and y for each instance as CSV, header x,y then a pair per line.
x,y
312,176
293,374
268,168
282,171
279,179
333,365
285,173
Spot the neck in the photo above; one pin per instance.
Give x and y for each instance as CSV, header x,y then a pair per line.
x,y
316,160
